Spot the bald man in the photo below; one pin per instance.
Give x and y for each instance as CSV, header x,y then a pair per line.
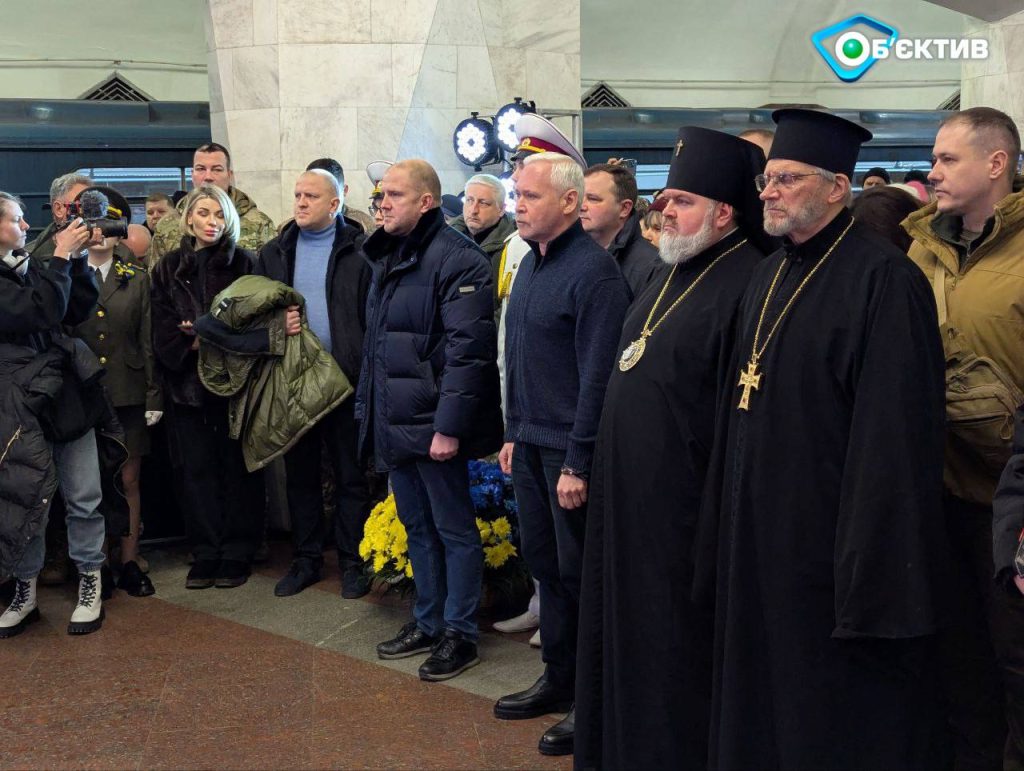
x,y
428,401
318,253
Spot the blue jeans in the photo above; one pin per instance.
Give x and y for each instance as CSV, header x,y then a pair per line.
x,y
552,541
444,544
78,473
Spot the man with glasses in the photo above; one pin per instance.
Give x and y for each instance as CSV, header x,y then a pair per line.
x,y
211,165
831,481
485,220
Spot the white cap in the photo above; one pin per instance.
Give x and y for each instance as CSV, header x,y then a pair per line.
x,y
537,134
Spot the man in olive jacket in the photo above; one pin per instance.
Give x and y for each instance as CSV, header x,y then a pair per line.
x,y
969,243
428,400
485,220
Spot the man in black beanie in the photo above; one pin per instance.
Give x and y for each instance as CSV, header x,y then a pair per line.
x,y
676,337
875,177
831,482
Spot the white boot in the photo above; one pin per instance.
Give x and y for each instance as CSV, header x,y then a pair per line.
x,y
524,622
22,611
535,640
88,615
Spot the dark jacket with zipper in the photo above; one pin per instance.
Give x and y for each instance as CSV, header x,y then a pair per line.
x,y
184,284
429,358
636,256
348,280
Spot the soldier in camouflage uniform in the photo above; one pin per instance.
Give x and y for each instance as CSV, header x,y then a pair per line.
x,y
211,165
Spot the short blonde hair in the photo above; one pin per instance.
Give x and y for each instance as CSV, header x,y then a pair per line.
x,y
232,227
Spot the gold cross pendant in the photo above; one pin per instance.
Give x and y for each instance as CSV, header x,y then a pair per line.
x,y
750,379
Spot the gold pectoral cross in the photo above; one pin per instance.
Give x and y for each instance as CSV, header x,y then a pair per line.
x,y
749,379
679,147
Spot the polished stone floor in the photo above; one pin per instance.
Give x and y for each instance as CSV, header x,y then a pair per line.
x,y
241,679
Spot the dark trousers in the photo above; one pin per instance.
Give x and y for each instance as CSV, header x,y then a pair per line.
x,y
338,434
444,544
223,502
982,649
552,541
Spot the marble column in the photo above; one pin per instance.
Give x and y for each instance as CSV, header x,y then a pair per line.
x,y
996,81
359,80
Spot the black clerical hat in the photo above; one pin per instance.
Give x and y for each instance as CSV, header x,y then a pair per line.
x,y
818,139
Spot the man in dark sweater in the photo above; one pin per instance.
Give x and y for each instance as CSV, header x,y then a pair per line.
x,y
609,215
564,319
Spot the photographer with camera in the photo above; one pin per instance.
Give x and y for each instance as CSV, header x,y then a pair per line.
x,y
64,205
51,401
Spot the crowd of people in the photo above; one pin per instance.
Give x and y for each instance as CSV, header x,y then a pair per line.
x,y
761,432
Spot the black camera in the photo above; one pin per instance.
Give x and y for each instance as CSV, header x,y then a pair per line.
x,y
94,209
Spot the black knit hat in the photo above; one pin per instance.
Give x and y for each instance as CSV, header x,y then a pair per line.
x,y
818,139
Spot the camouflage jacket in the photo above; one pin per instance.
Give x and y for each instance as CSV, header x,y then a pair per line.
x,y
256,228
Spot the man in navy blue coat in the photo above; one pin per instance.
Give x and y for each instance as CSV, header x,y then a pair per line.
x,y
428,400
564,318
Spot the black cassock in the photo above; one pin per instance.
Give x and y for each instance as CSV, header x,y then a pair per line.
x,y
830,528
644,666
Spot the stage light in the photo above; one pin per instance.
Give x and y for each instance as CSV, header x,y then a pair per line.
x,y
474,142
510,197
505,123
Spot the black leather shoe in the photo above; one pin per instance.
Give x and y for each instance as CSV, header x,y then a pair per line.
x,y
452,656
202,574
541,698
133,581
232,573
300,575
408,642
558,739
354,584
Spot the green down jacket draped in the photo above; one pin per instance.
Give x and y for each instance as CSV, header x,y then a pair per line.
x,y
279,386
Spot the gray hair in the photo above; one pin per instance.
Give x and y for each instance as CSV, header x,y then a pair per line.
x,y
60,186
232,227
566,174
490,181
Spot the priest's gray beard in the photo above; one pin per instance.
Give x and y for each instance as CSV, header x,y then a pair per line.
x,y
675,248
802,219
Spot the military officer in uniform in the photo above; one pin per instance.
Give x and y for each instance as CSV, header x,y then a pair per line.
x,y
119,333
376,171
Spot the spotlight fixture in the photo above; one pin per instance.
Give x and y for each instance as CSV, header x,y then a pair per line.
x,y
505,122
474,142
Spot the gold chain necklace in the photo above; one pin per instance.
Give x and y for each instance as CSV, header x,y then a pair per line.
x,y
635,350
749,378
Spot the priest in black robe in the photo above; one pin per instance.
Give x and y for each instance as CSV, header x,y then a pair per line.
x,y
643,679
829,526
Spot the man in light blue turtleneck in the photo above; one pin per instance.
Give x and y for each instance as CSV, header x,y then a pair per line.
x,y
319,255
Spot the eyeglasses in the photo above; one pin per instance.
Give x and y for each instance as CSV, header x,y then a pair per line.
x,y
373,208
785,179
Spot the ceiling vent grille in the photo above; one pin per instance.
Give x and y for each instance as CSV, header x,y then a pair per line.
x,y
603,95
116,89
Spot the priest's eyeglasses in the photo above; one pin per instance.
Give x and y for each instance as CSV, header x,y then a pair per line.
x,y
784,179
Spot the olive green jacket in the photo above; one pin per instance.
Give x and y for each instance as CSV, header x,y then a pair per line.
x,y
984,302
279,386
256,228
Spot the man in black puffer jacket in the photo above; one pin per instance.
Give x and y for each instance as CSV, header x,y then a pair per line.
x,y
428,400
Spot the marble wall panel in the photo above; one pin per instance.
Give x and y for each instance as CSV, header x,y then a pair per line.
x,y
428,134
402,21
379,133
254,138
335,75
308,133
553,80
406,61
436,83
264,22
255,77
323,21
219,128
492,18
476,89
509,68
457,22
544,25
222,79
264,187
232,23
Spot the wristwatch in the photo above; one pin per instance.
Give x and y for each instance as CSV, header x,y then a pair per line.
x,y
574,473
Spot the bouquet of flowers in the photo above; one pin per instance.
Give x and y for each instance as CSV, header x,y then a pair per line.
x,y
385,544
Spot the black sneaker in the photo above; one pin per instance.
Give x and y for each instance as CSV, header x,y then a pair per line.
x,y
354,584
202,574
231,573
300,575
409,641
452,656
133,581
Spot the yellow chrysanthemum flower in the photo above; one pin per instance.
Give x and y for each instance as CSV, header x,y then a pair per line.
x,y
501,527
